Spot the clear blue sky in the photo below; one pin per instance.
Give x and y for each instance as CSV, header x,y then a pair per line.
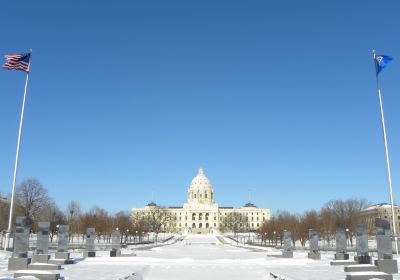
x,y
274,96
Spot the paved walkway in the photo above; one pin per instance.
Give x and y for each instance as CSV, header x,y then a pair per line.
x,y
201,257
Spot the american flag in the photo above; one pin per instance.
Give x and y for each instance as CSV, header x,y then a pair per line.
x,y
17,62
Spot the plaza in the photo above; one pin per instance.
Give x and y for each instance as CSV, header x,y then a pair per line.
x,y
111,109
199,257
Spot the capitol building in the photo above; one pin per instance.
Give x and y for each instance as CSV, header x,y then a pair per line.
x,y
201,214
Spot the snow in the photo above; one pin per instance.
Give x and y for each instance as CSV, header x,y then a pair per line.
x,y
196,257
376,273
35,271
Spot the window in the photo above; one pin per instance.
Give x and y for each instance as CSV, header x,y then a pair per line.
x,y
215,224
207,225
215,218
195,196
200,195
207,216
205,195
200,225
193,225
200,216
193,216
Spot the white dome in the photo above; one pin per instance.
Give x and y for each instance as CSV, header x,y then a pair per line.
x,y
200,181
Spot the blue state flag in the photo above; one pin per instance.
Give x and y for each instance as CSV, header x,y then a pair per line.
x,y
380,62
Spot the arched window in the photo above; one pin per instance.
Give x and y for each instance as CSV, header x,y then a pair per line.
x,y
205,195
193,216
207,214
193,225
200,216
194,195
200,225
207,225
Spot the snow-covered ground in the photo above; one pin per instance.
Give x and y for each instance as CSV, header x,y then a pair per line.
x,y
197,257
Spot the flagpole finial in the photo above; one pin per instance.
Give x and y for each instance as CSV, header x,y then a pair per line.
x,y
30,50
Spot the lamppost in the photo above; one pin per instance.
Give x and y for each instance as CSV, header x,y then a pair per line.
x,y
126,236
71,212
57,226
347,236
265,238
137,235
275,239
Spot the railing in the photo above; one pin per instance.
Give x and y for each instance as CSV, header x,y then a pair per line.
x,y
101,242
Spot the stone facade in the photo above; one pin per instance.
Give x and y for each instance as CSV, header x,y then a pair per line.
x,y
200,214
381,211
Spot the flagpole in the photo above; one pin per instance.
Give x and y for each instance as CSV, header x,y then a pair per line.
x,y
21,123
387,155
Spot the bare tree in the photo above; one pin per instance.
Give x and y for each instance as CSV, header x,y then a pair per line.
x,y
139,223
73,213
4,210
54,215
308,220
156,218
287,221
122,221
269,230
32,197
73,210
235,222
101,221
327,222
346,214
